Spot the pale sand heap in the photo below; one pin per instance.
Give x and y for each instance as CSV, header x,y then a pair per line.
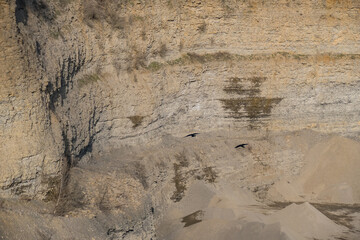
x,y
331,175
223,212
306,221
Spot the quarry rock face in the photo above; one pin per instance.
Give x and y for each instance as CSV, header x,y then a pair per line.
x,y
78,75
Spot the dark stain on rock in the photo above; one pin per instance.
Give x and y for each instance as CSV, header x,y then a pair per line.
x,y
208,174
136,120
250,105
139,172
73,197
20,189
38,48
179,178
193,218
182,174
53,188
42,10
21,14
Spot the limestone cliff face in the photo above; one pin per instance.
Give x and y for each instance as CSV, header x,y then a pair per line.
x,y
78,75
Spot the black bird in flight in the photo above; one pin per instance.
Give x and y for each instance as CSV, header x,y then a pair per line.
x,y
241,145
192,135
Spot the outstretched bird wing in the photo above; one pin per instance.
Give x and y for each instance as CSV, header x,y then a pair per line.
x,y
241,145
192,135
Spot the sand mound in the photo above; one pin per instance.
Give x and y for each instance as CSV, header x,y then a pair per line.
x,y
331,174
225,212
295,222
306,221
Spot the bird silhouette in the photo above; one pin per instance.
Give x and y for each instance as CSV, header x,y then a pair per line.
x,y
192,135
241,145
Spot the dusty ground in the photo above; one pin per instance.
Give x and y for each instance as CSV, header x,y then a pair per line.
x,y
202,188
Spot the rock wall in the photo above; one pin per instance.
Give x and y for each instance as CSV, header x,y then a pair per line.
x,y
28,148
83,75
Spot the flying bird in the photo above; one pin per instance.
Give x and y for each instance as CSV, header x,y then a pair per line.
x,y
192,135
241,145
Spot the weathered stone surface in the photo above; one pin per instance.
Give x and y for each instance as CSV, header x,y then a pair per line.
x,y
83,75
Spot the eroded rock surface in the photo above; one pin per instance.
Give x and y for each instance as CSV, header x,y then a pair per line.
x,y
96,97
76,73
